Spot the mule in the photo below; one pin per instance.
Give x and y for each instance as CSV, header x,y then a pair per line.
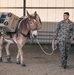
x,y
26,27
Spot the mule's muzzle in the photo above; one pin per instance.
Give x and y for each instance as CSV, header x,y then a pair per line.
x,y
34,34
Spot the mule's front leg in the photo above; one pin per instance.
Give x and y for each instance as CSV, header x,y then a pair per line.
x,y
21,57
1,42
20,53
18,58
0,53
8,53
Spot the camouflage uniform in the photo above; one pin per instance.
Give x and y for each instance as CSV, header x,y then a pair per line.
x,y
64,32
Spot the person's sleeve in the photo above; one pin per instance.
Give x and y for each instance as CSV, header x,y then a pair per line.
x,y
72,31
57,30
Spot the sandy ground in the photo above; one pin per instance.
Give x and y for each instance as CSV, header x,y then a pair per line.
x,y
37,63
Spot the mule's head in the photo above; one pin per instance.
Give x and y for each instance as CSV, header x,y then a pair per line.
x,y
34,20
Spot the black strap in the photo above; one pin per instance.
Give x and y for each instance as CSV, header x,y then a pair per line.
x,y
28,35
10,34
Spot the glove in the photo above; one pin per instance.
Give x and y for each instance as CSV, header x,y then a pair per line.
x,y
54,44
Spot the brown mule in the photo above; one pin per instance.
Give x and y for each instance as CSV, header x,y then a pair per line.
x,y
28,25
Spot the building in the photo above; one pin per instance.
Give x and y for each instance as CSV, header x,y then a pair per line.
x,y
50,11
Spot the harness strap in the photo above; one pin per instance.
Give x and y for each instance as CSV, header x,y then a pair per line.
x,y
28,34
10,33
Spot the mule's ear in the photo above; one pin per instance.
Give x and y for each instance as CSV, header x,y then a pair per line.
x,y
35,13
28,14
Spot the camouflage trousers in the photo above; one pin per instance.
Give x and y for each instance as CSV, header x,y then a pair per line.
x,y
64,48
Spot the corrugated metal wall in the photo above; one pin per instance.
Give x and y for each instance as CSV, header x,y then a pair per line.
x,y
45,35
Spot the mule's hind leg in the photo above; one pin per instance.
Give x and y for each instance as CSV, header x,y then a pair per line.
x,y
8,53
1,42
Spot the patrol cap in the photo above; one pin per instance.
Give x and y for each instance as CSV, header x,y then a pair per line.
x,y
67,13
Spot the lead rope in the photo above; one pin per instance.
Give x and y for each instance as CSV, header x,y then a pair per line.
x,y
54,47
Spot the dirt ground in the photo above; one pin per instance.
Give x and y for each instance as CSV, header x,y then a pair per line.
x,y
37,63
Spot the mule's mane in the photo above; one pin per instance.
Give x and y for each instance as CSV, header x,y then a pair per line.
x,y
24,23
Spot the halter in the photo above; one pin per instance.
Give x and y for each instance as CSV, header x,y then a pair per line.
x,y
25,35
28,34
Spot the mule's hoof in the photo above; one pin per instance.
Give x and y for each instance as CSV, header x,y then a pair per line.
x,y
1,59
23,65
9,60
17,62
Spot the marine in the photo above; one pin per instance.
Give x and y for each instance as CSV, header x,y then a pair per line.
x,y
64,34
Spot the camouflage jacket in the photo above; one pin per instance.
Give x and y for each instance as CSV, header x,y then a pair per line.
x,y
64,31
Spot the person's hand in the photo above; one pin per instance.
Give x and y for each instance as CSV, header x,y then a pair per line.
x,y
72,39
54,44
